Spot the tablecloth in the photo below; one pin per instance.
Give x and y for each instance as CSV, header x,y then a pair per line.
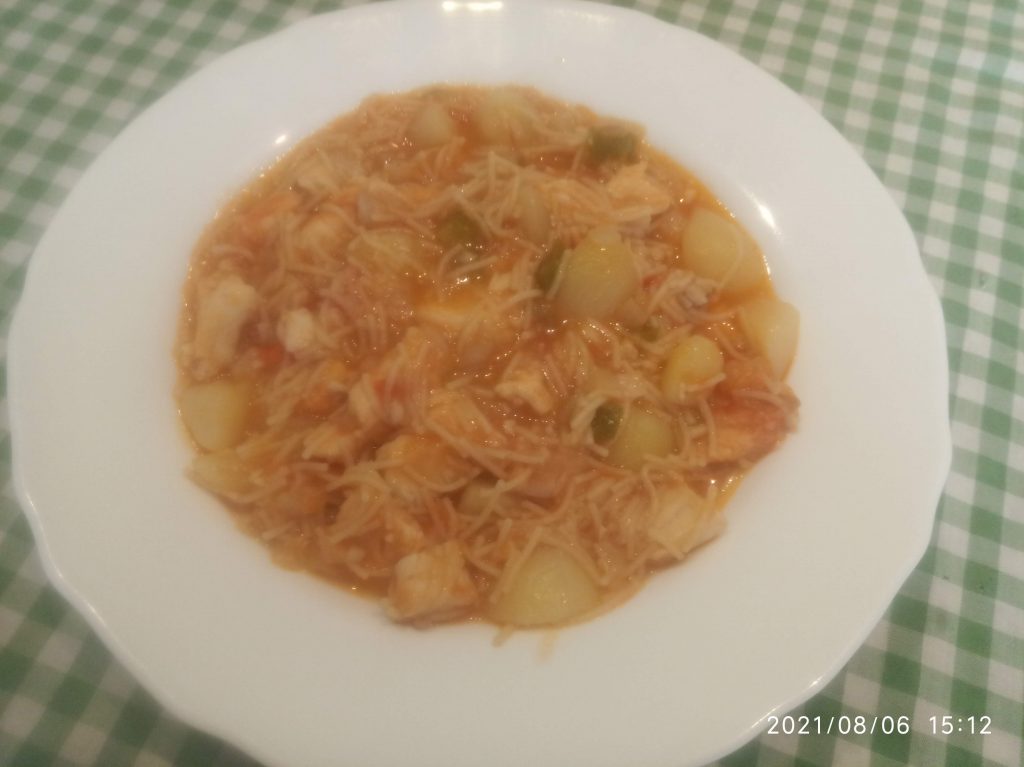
x,y
929,92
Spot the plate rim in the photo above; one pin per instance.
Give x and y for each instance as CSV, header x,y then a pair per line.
x,y
18,345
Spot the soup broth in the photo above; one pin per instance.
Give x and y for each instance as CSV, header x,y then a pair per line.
x,y
481,353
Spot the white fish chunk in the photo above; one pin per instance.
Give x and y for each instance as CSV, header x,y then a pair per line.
x,y
221,314
431,585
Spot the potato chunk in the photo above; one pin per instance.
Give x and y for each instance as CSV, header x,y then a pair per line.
x,y
476,496
216,413
432,126
641,434
420,458
550,587
682,522
772,326
598,275
716,248
503,116
222,472
691,363
391,252
533,214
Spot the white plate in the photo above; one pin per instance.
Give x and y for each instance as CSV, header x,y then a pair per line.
x,y
300,673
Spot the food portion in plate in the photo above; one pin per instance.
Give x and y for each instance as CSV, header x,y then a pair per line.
x,y
481,354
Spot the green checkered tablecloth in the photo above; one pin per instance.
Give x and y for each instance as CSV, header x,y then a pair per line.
x,y
930,92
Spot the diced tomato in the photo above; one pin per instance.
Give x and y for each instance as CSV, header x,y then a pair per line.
x,y
271,355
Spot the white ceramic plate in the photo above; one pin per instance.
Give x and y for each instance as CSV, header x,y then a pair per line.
x,y
300,673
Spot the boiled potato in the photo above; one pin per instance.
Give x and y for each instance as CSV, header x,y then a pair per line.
x,y
475,497
534,215
502,116
432,126
714,247
392,250
641,434
597,276
222,472
772,326
216,413
631,313
694,361
550,587
451,313
322,233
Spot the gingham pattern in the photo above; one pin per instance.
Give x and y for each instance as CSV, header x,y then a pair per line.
x,y
931,92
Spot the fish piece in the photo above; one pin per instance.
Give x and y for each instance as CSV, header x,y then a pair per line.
x,y
223,309
432,585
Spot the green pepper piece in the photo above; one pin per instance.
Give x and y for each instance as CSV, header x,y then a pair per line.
x,y
610,143
457,228
648,331
547,269
605,422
